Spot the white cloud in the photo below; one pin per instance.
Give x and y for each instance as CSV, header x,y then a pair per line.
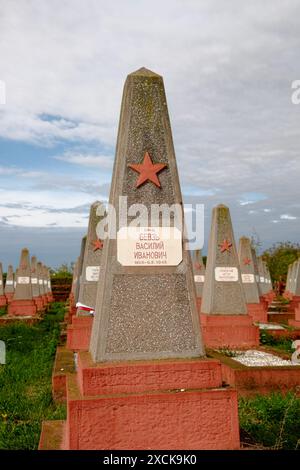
x,y
288,217
98,161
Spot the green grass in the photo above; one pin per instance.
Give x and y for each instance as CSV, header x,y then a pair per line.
x,y
25,380
282,344
271,421
3,311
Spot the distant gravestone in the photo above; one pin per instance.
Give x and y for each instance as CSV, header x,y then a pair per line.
x,y
199,275
2,296
22,303
9,284
249,275
223,291
79,269
146,299
224,314
248,271
91,262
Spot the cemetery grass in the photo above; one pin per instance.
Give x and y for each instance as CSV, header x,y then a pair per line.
x,y
270,421
281,344
25,380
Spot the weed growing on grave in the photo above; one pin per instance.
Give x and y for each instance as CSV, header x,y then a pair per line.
x,y
271,421
227,352
25,380
282,344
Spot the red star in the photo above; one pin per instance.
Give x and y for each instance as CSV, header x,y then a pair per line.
x,y
98,244
225,246
148,171
198,266
247,261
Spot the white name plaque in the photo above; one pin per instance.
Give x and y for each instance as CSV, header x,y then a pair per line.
x,y
92,273
248,278
226,274
149,246
23,280
199,278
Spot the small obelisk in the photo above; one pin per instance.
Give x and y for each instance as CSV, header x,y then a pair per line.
x,y
80,264
199,275
22,303
35,284
146,300
247,266
3,301
9,284
224,314
91,263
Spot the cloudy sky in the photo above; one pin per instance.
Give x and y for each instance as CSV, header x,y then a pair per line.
x,y
228,69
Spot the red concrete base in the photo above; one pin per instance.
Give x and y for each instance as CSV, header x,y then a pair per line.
x,y
49,298
294,303
168,404
22,308
257,312
253,380
63,365
39,303
264,302
280,318
79,333
295,322
3,301
234,331
9,297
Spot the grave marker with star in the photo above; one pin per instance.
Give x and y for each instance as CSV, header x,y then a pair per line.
x,y
145,310
91,261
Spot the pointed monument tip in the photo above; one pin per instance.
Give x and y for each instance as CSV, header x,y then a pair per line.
x,y
143,72
222,206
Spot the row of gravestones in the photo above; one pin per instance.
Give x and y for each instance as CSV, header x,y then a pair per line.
x,y
26,292
292,292
142,379
238,283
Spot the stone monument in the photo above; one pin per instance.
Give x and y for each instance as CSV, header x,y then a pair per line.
x,y
199,275
146,383
3,300
254,306
9,284
22,303
224,315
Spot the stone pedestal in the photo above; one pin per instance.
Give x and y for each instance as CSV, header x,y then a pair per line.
x,y
9,297
22,308
3,301
149,405
295,322
257,312
233,331
79,333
